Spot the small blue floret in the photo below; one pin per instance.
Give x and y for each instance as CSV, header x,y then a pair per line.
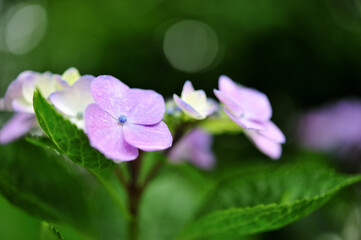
x,y
122,119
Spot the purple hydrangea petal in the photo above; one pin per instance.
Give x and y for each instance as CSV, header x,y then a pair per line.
x,y
265,145
187,108
109,92
63,101
273,133
29,86
82,87
187,88
228,86
146,107
254,103
15,89
74,99
106,135
16,127
196,148
13,92
246,123
229,103
20,105
148,138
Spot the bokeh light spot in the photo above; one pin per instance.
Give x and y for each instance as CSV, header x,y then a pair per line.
x,y
25,28
190,46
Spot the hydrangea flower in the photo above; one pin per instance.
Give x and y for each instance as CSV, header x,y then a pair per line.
x,y
196,148
125,119
194,102
248,107
268,140
20,92
335,127
19,98
251,110
73,100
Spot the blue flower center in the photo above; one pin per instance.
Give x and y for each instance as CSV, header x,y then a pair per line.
x,y
79,115
122,119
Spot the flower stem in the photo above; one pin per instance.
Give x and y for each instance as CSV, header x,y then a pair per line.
x,y
134,193
135,190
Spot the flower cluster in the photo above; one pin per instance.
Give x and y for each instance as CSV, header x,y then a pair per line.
x,y
252,111
119,120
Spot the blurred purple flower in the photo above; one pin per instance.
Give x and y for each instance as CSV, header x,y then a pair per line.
x,y
124,120
335,127
19,98
196,148
16,127
73,100
251,110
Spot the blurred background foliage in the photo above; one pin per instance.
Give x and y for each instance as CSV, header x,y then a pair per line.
x,y
301,53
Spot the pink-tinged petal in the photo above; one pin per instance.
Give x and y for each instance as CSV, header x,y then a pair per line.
x,y
148,138
74,99
187,88
29,86
188,109
14,91
109,92
63,101
145,106
273,133
20,105
228,86
246,123
16,127
255,104
265,145
106,135
232,106
82,88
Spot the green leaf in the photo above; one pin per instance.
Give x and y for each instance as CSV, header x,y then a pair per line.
x,y
68,139
54,189
260,201
221,125
169,202
38,182
48,232
43,142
